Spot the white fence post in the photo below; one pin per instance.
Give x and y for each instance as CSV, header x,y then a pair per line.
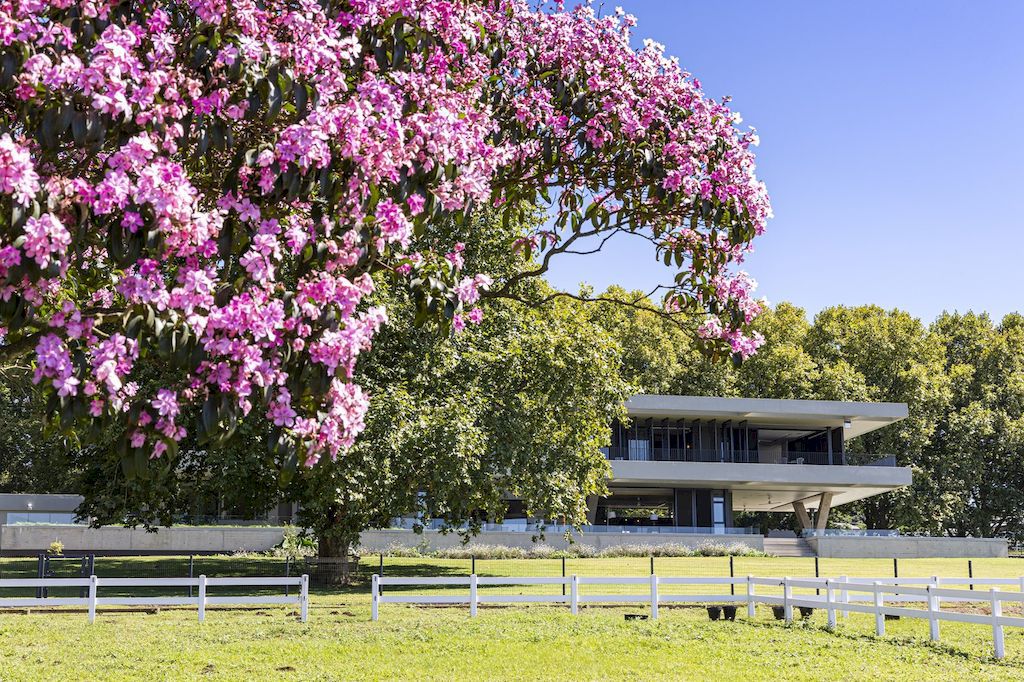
x,y
936,581
92,598
375,597
654,596
202,598
304,598
787,594
472,595
933,615
574,596
997,628
830,598
879,617
844,596
750,596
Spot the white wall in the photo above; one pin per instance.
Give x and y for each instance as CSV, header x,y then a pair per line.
x,y
177,539
382,539
908,547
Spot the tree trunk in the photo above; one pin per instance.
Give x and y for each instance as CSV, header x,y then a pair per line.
x,y
333,558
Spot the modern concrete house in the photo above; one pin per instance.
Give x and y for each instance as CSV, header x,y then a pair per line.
x,y
693,462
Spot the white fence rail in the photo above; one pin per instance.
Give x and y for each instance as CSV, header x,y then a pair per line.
x,y
838,596
200,601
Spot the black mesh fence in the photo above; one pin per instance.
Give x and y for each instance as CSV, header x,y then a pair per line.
x,y
353,576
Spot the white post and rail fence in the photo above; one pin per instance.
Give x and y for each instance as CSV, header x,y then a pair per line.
x,y
837,596
200,600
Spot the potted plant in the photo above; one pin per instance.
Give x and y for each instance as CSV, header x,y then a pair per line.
x,y
806,612
779,611
714,612
729,611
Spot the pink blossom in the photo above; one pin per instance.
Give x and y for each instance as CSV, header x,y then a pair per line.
x,y
289,285
17,173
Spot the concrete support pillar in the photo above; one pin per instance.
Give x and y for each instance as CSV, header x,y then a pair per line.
x,y
824,506
801,515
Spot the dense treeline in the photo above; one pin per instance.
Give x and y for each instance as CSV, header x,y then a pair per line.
x,y
962,378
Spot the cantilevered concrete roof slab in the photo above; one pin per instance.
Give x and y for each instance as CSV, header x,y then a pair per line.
x,y
863,417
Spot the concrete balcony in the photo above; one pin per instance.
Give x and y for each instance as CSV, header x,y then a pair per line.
x,y
764,487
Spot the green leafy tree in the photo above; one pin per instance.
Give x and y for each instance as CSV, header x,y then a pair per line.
x,y
879,355
782,368
979,445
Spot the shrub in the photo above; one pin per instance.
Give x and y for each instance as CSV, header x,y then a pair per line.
x,y
573,551
295,544
56,548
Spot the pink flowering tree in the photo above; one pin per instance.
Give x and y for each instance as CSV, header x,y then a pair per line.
x,y
215,185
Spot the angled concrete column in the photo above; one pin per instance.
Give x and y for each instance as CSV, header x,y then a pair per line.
x,y
802,516
824,506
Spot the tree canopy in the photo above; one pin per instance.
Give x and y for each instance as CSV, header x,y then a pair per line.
x,y
518,405
223,186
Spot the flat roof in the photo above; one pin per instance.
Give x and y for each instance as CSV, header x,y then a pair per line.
x,y
864,417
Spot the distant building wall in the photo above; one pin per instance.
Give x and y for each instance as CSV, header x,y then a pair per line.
x,y
377,540
908,547
31,539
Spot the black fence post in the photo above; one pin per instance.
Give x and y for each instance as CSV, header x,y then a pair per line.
x,y
40,573
472,565
381,571
732,574
652,564
970,571
895,568
83,572
563,575
287,572
816,575
191,566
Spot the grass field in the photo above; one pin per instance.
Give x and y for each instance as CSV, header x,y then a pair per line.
x,y
510,643
519,642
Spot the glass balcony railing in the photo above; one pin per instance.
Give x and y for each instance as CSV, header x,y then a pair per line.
x,y
637,453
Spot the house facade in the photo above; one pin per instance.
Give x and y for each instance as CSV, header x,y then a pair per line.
x,y
691,463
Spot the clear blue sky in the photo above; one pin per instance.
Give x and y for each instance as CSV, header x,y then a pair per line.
x,y
891,144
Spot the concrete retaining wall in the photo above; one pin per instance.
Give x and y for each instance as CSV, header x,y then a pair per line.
x,y
908,547
431,539
31,539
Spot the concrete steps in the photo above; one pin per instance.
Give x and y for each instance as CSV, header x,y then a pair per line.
x,y
788,547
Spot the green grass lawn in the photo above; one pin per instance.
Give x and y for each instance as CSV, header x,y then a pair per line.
x,y
507,643
518,642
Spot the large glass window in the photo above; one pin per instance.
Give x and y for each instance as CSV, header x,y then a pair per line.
x,y
668,443
718,514
639,443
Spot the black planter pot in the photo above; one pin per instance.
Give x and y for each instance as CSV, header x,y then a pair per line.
x,y
779,611
714,612
730,612
806,612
